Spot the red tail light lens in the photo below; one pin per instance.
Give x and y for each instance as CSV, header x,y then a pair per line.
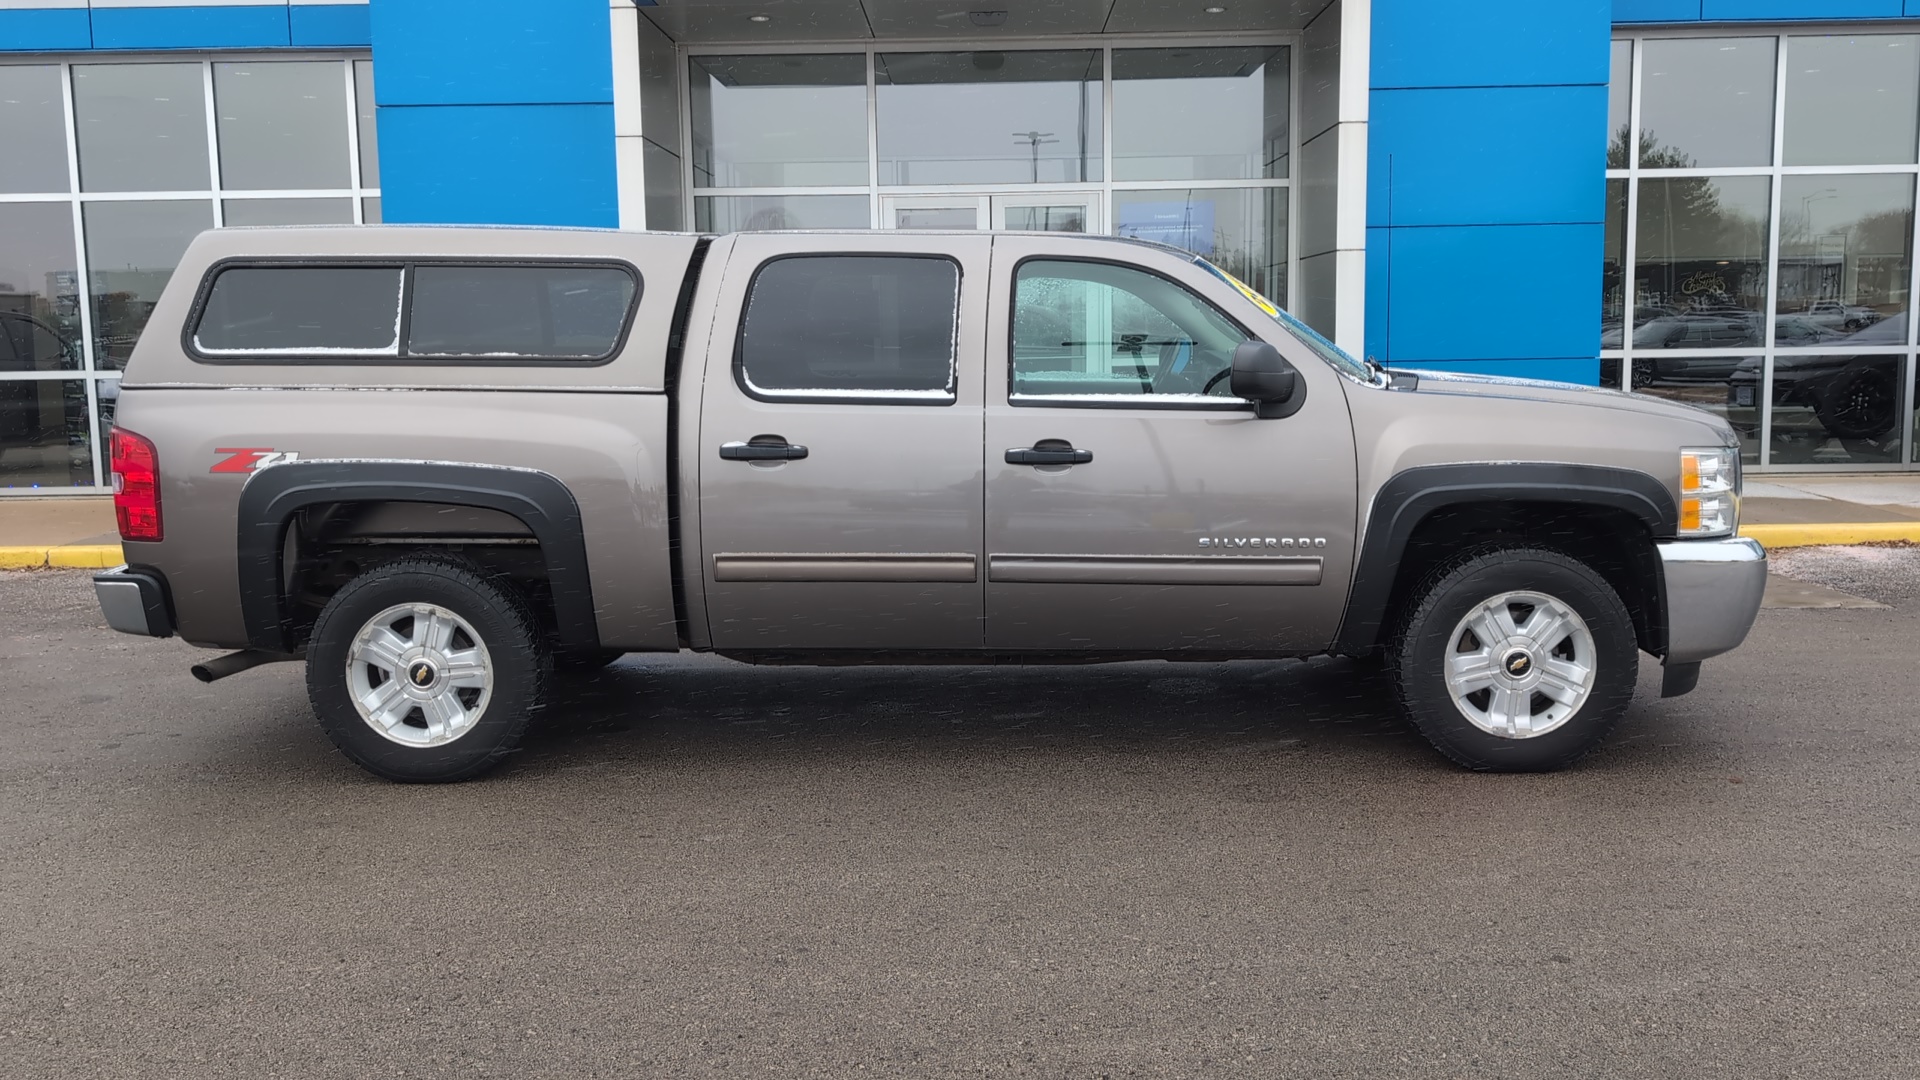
x,y
136,486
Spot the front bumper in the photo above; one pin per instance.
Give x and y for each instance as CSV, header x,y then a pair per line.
x,y
1713,595
134,601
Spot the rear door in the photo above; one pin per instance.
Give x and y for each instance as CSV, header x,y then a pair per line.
x,y
1133,504
839,458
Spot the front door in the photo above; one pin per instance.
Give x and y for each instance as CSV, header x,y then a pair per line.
x,y
1051,211
839,447
1132,502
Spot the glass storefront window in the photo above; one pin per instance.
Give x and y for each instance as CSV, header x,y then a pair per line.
x,y
991,117
1852,99
1846,259
1613,273
1836,410
1701,263
370,211
737,213
1706,102
45,433
286,211
778,121
1200,114
142,127
364,127
132,248
1619,89
1241,230
1727,386
39,288
281,125
33,129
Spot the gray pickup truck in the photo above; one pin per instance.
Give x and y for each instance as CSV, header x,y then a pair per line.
x,y
445,466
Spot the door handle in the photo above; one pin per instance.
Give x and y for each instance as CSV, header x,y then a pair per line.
x,y
1048,452
762,448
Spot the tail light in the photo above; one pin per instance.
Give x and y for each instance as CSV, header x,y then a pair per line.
x,y
136,486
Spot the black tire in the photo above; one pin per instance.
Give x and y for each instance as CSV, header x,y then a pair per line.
x,y
501,620
1421,643
1861,404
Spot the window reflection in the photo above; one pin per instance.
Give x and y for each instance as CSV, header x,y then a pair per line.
x,y
39,288
989,117
1619,92
364,128
1706,102
1726,386
1852,99
744,213
1834,410
1200,114
235,212
1241,230
774,121
1700,269
33,137
1613,267
132,249
142,127
1846,259
45,434
279,125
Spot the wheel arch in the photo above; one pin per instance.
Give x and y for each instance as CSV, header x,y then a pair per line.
x,y
538,501
1597,513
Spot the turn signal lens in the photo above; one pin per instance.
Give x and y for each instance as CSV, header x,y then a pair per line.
x,y
1709,492
136,486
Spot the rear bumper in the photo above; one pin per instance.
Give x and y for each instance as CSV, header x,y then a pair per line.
x,y
1713,595
134,601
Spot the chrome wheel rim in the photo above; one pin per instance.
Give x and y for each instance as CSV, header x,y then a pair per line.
x,y
419,675
1520,664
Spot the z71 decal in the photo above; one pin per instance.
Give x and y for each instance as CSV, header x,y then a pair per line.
x,y
246,459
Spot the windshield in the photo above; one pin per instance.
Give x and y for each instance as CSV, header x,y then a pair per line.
x,y
1307,335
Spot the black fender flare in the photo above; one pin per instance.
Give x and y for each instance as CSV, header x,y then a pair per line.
x,y
1411,496
273,495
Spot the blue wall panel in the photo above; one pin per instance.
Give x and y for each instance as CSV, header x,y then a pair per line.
x,y
1715,10
1446,147
1379,273
1656,11
248,27
1493,293
498,165
40,29
1448,43
435,52
315,25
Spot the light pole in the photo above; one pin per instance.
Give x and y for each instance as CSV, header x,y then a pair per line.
x,y
1034,139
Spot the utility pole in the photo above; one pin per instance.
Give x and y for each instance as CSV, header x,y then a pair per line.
x,y
1034,139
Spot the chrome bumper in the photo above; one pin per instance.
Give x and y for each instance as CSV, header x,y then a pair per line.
x,y
1713,595
134,601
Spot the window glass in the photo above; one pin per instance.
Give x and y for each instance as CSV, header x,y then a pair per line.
x,y
1016,117
1727,386
1241,230
32,129
1706,102
1852,99
1613,269
503,312
44,433
286,211
745,213
1701,263
279,125
132,248
852,325
1200,114
1098,329
40,286
776,121
370,211
143,127
1619,95
292,310
364,127
1836,410
1846,257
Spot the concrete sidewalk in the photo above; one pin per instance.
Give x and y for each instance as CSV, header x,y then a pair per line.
x,y
1779,510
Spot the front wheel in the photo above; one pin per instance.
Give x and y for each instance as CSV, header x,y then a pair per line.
x,y
426,670
1514,660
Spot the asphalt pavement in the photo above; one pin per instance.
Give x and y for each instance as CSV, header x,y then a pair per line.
x,y
703,869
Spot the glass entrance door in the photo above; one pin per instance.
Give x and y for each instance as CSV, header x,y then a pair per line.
x,y
1051,211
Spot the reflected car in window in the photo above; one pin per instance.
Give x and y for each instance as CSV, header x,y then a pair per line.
x,y
1850,397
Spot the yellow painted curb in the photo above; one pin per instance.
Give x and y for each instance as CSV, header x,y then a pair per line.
x,y
1859,532
84,556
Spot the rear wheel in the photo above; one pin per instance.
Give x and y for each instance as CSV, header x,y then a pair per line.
x,y
1515,659
426,670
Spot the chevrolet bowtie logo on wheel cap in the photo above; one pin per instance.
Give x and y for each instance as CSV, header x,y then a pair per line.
x,y
1519,665
421,674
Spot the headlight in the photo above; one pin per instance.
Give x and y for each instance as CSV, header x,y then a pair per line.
x,y
1709,491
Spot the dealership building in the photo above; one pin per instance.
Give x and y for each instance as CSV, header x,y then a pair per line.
x,y
1435,183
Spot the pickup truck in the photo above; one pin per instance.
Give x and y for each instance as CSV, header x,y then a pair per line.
x,y
445,466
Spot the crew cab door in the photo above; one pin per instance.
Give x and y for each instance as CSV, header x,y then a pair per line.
x,y
839,461
1132,502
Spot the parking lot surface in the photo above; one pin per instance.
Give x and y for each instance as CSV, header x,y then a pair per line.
x,y
698,868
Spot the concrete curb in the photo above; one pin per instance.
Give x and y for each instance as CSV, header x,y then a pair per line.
x,y
1859,532
84,556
